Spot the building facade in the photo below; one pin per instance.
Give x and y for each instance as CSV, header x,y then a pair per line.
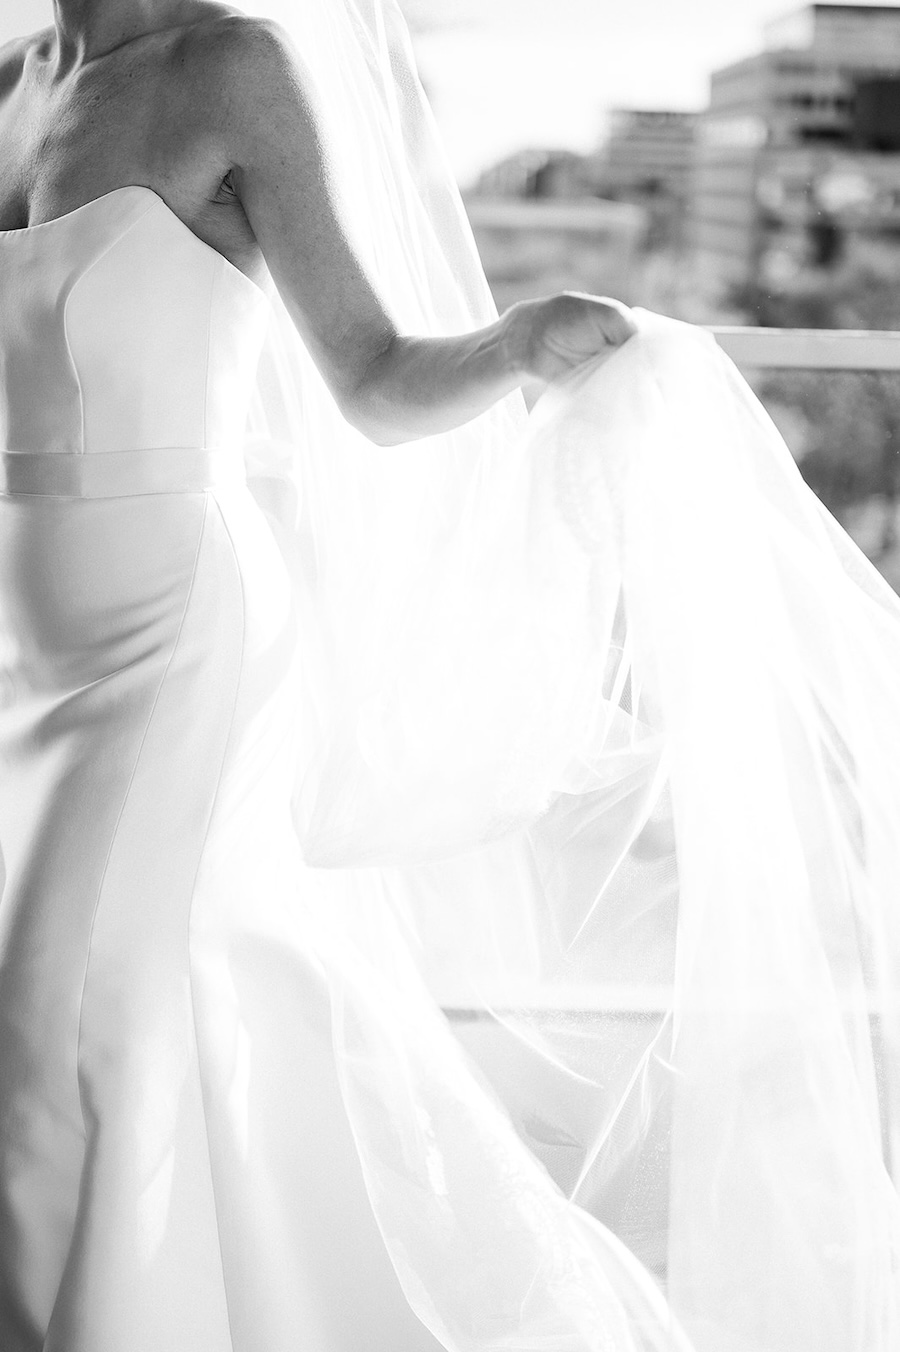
x,y
538,173
800,145
647,158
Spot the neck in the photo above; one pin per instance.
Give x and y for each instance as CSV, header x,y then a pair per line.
x,y
86,29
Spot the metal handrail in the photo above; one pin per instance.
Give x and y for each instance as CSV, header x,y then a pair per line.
x,y
810,349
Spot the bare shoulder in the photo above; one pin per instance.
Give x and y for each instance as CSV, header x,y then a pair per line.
x,y
252,73
243,44
15,52
254,61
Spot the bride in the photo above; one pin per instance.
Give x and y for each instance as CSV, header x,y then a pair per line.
x,y
450,890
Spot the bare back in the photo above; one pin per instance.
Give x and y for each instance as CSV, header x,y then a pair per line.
x,y
153,112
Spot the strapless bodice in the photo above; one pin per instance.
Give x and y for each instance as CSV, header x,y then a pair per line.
x,y
121,330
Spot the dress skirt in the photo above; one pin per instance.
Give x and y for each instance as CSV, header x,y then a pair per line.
x,y
164,1133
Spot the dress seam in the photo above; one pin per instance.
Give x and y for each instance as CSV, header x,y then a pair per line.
x,y
209,324
122,807
116,240
190,915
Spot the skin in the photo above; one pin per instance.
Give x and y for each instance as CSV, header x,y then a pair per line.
x,y
215,112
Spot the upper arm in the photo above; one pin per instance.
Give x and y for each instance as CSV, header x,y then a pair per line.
x,y
284,176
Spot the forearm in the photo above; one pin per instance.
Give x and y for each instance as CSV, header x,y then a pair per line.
x,y
420,386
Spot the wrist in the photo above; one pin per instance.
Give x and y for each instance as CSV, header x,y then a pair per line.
x,y
515,340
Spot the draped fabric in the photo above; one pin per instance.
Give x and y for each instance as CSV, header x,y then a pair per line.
x,y
597,792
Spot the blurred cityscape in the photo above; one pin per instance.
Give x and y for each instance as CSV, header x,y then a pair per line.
x,y
776,205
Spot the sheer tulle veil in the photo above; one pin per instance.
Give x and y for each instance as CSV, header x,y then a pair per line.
x,y
601,751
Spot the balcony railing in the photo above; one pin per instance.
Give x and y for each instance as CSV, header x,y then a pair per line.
x,y
811,349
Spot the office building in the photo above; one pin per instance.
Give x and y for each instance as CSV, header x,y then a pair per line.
x,y
646,158
799,147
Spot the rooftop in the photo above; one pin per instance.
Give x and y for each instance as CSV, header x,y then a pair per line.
x,y
805,26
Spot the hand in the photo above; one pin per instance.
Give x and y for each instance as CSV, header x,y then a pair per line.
x,y
549,338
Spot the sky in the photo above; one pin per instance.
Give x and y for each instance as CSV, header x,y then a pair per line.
x,y
504,74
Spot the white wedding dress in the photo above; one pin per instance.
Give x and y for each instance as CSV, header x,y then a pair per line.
x,y
233,1117
160,1187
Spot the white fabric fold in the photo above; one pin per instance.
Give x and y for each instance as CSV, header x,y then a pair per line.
x,y
600,740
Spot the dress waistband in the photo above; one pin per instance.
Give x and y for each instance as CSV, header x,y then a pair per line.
x,y
114,474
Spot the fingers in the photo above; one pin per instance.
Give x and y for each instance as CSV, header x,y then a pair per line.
x,y
618,322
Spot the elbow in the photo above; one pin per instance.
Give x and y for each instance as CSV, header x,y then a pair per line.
x,y
379,430
369,403
367,410
387,436
380,438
